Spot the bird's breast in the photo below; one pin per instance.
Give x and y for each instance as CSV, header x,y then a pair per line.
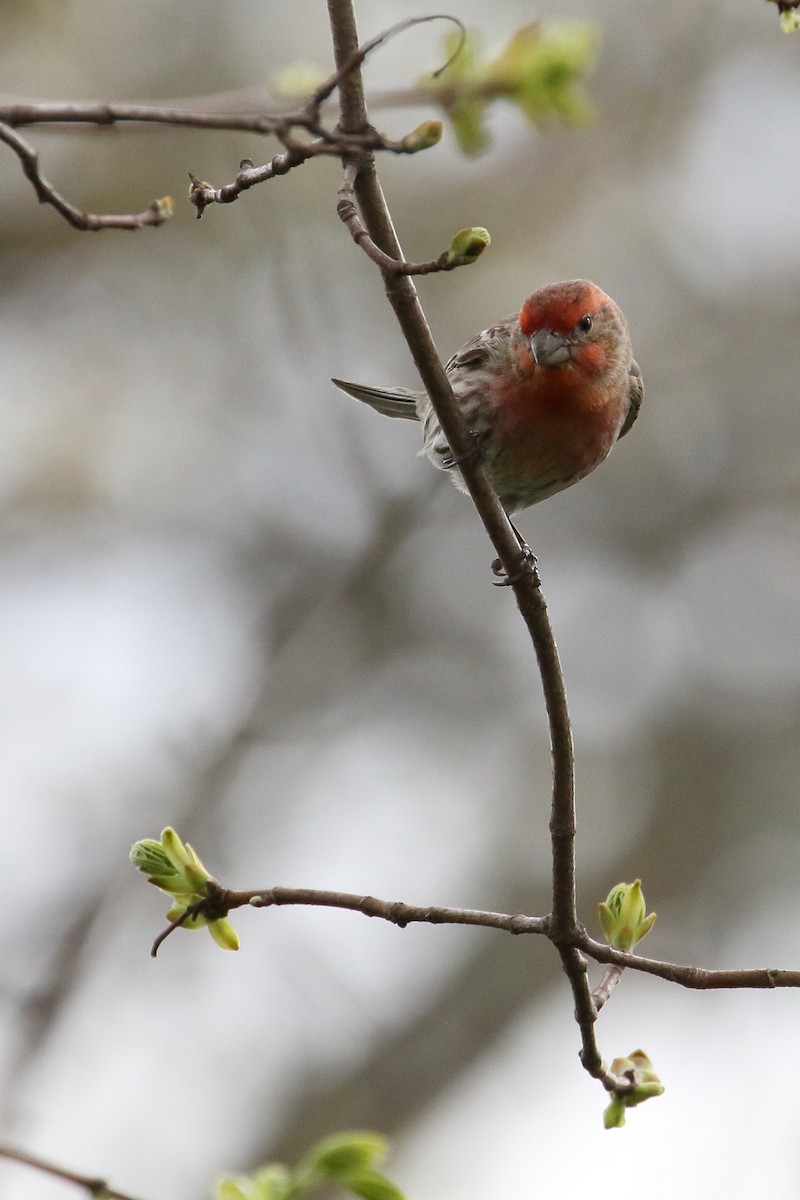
x,y
552,431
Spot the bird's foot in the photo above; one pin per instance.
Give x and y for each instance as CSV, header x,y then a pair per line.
x,y
526,568
474,457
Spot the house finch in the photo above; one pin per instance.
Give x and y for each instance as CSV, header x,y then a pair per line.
x,y
545,394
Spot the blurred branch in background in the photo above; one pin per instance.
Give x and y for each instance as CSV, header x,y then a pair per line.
x,y
541,71
96,1188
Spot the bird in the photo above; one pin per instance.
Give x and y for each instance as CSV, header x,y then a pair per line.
x,y
545,393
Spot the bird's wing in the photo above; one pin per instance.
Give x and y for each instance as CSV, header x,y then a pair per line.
x,y
490,345
635,395
392,402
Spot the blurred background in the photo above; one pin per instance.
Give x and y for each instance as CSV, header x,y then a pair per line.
x,y
232,600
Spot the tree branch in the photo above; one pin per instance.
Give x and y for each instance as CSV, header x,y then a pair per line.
x,y
221,901
605,987
97,1188
520,573
155,214
348,214
106,114
698,978
308,118
395,911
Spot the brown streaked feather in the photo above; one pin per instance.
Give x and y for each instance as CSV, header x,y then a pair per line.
x,y
635,395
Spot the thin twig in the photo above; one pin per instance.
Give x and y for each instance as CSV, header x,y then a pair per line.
x,y
202,194
348,64
189,912
698,978
222,901
395,911
298,152
348,214
156,214
97,1188
574,966
105,114
234,112
605,987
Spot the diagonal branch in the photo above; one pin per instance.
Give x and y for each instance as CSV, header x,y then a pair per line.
x,y
155,214
97,1188
525,582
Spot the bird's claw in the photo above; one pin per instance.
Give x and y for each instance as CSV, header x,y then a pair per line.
x,y
527,568
474,457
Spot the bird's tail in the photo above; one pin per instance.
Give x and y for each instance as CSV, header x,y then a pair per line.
x,y
392,402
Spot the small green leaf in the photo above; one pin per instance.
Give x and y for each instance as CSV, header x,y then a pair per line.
x,y
224,934
541,70
343,1158
458,90
614,1115
342,1153
371,1186
468,118
271,1182
150,857
241,1188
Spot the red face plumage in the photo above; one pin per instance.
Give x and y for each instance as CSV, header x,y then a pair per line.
x,y
560,306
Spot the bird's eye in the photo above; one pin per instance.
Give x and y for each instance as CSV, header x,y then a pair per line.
x,y
585,323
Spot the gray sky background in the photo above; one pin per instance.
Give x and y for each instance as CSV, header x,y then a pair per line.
x,y
233,601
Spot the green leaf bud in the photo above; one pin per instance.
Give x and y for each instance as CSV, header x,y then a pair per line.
x,y
428,134
638,1070
623,916
467,245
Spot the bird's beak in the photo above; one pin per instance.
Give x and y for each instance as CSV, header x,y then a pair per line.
x,y
550,349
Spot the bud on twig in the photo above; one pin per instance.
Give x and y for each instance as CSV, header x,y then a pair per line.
x,y
175,869
428,134
623,918
638,1069
164,206
467,245
201,193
